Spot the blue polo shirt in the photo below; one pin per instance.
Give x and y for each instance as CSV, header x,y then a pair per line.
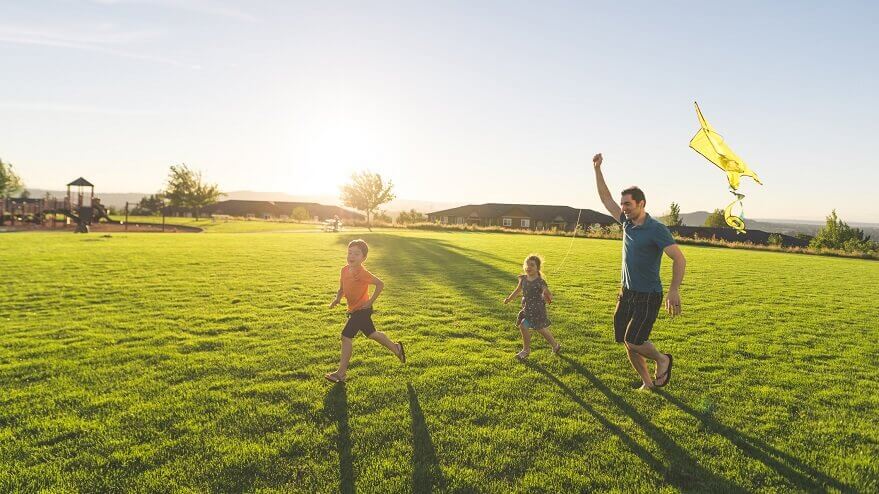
x,y
642,252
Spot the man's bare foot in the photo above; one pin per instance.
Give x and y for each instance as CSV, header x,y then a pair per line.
x,y
645,387
557,348
662,375
522,355
401,352
335,377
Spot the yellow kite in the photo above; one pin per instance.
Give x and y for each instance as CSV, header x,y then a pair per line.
x,y
709,144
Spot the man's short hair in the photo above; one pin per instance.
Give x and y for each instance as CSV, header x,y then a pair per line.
x,y
636,193
360,244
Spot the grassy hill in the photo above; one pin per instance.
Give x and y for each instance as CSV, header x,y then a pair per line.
x,y
195,362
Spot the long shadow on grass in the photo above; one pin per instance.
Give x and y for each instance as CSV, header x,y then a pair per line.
x,y
683,471
636,448
672,475
336,408
426,472
480,283
795,471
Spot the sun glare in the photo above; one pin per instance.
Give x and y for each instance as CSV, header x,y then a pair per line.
x,y
327,151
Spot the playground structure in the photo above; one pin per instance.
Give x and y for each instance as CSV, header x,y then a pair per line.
x,y
79,208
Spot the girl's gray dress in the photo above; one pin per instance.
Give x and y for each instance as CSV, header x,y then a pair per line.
x,y
533,305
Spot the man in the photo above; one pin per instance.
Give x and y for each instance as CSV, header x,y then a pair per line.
x,y
644,241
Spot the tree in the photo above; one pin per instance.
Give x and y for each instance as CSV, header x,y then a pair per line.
x,y
149,205
836,234
187,190
299,214
411,216
383,217
366,192
674,215
716,220
10,183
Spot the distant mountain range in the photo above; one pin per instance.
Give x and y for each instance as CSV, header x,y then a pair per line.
x,y
788,227
392,207
118,200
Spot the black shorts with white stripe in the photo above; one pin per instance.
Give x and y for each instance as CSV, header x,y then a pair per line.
x,y
635,314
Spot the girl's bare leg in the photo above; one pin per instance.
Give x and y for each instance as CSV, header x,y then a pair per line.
x,y
546,334
526,341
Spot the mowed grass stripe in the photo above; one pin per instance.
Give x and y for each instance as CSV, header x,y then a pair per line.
x,y
194,362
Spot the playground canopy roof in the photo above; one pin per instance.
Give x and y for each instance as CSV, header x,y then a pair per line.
x,y
81,182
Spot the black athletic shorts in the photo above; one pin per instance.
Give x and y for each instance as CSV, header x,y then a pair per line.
x,y
359,320
636,312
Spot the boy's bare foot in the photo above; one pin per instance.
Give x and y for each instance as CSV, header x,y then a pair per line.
x,y
645,387
401,353
335,377
523,354
557,348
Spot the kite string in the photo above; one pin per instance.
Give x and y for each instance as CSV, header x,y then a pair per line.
x,y
571,246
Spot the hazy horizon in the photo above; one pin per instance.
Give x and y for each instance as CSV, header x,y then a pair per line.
x,y
460,102
407,204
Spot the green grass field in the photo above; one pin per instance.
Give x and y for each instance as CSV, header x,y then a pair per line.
x,y
194,363
231,226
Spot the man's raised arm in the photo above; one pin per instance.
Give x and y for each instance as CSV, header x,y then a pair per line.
x,y
603,192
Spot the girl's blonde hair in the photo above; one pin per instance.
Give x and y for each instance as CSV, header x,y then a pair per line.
x,y
537,260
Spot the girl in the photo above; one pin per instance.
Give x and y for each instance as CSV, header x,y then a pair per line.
x,y
535,295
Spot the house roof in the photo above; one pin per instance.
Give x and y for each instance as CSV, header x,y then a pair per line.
x,y
537,212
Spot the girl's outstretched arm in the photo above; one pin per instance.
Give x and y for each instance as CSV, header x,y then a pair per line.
x,y
515,292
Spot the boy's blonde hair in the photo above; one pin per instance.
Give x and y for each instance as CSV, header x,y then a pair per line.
x,y
360,244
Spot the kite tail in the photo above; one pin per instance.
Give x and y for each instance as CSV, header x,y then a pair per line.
x,y
732,220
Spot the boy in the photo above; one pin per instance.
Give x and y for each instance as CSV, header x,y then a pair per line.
x,y
354,285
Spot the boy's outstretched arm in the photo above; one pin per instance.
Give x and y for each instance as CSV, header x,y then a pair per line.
x,y
379,286
335,301
515,292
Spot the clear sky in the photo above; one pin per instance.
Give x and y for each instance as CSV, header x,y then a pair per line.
x,y
469,101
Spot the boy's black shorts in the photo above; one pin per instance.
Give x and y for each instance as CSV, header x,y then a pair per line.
x,y
359,320
636,312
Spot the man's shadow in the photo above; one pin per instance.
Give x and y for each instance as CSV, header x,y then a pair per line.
x,y
336,408
683,470
793,469
812,480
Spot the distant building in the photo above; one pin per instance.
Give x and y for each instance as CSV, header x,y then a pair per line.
x,y
278,209
520,216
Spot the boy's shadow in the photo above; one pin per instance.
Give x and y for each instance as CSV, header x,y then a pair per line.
x,y
426,472
812,480
336,408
